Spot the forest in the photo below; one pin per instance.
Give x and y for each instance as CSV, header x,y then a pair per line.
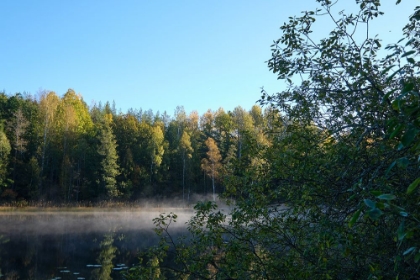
x,y
56,149
323,176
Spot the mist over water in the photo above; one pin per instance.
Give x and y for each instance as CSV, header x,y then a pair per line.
x,y
83,243
78,220
56,222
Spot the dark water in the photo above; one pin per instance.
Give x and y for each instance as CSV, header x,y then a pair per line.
x,y
70,245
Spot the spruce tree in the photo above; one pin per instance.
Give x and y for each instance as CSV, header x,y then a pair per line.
x,y
109,168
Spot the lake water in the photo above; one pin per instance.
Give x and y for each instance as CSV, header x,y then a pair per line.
x,y
76,245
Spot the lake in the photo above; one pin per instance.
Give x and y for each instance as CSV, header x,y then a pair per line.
x,y
76,244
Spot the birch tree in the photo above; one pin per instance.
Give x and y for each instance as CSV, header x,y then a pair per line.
x,y
18,126
155,148
48,107
212,163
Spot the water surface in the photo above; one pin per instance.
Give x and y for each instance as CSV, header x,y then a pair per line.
x,y
76,245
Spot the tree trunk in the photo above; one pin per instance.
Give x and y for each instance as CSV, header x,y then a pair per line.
x,y
44,148
183,179
212,178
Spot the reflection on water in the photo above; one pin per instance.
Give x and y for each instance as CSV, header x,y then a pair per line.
x,y
66,245
106,255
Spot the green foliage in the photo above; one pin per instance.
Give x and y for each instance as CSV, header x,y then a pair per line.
x,y
335,192
58,151
186,154
155,145
109,165
211,164
5,149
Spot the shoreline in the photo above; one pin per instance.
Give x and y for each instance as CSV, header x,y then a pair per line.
x,y
40,209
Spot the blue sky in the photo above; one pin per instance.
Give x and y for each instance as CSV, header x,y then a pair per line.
x,y
153,54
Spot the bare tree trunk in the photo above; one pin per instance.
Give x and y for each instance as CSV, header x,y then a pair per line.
x,y
183,179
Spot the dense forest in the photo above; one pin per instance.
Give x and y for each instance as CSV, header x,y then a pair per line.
x,y
57,149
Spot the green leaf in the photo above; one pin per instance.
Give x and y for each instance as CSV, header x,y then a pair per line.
x,y
387,69
376,193
386,96
411,60
355,217
407,87
400,231
417,257
409,234
381,205
370,203
403,162
396,131
410,110
375,213
408,53
404,214
395,105
352,197
409,250
410,41
413,186
390,168
409,136
387,197
393,74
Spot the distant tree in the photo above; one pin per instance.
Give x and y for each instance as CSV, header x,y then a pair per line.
x,y
193,121
257,117
180,119
243,123
186,153
127,132
24,132
207,123
48,109
165,119
5,149
109,168
224,127
18,126
155,148
212,164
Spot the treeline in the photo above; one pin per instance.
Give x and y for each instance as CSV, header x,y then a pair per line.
x,y
58,149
